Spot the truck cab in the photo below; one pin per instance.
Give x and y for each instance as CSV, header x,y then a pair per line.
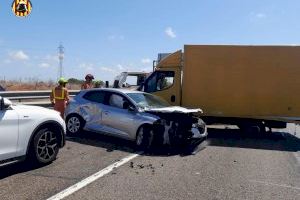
x,y
166,81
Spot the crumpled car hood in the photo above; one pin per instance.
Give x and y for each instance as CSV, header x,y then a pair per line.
x,y
174,109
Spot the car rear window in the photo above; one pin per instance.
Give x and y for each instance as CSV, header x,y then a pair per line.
x,y
95,96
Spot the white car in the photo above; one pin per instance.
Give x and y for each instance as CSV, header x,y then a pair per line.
x,y
29,132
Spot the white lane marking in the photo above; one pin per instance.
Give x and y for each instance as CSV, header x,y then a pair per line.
x,y
70,190
274,184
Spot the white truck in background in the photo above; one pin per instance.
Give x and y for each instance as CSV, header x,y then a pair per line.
x,y
130,80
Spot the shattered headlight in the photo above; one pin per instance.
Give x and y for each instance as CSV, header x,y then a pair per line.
x,y
200,125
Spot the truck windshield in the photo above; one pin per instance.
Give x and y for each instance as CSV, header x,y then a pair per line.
x,y
144,100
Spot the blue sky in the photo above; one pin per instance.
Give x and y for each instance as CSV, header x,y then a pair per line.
x,y
106,37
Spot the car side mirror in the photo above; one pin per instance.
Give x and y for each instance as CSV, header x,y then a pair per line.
x,y
131,108
5,103
2,107
127,106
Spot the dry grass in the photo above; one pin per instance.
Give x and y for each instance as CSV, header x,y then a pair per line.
x,y
29,86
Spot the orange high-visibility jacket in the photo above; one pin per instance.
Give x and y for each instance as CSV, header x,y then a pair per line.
x,y
60,97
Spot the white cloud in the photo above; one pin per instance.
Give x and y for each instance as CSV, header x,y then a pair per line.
x,y
44,65
170,32
108,69
111,37
89,69
120,67
260,15
146,60
53,58
87,66
19,55
7,61
257,16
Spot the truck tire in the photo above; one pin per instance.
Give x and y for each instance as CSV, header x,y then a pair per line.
x,y
252,128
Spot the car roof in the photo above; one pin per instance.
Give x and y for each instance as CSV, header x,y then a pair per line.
x,y
122,91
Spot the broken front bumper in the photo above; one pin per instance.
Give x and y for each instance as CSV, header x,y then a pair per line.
x,y
175,133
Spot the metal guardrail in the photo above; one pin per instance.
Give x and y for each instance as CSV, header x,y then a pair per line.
x,y
39,98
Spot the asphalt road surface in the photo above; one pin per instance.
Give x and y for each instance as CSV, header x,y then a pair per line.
x,y
228,165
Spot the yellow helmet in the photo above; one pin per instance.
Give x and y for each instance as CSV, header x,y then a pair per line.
x,y
62,80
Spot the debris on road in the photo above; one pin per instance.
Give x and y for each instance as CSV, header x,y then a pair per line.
x,y
141,166
148,167
131,164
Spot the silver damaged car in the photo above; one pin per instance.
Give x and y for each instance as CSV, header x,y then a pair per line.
x,y
141,117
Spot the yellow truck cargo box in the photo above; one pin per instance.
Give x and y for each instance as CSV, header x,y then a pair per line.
x,y
242,81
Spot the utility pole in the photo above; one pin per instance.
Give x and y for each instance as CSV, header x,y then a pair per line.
x,y
61,58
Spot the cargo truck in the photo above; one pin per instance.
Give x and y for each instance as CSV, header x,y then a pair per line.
x,y
253,87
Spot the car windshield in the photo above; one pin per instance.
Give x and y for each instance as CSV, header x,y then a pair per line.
x,y
144,100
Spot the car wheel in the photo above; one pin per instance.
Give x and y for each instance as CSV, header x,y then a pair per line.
x,y
144,138
74,124
45,146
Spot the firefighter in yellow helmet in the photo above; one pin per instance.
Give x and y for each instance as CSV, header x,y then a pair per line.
x,y
59,96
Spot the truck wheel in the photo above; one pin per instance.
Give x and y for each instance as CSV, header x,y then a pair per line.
x,y
252,128
74,124
44,146
144,138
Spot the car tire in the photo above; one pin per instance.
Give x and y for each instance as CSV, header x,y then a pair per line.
x,y
144,138
45,146
74,124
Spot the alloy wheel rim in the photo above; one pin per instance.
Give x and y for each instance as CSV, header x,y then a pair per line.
x,y
47,146
73,124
